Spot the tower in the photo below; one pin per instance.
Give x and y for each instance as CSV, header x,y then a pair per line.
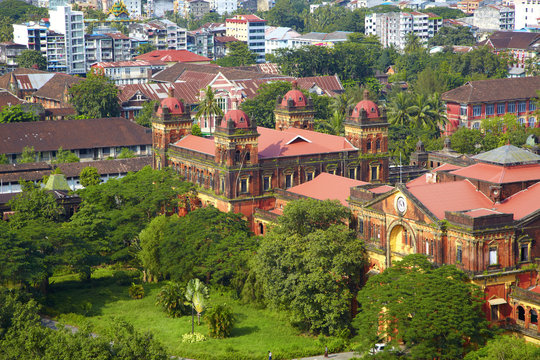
x,y
236,153
171,122
294,110
366,128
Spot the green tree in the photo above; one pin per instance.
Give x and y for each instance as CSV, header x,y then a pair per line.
x,y
4,159
15,113
238,55
196,295
412,44
448,36
31,59
95,97
89,176
145,48
125,153
398,109
196,130
145,116
335,125
284,14
406,301
220,321
208,108
421,113
261,107
446,12
33,203
171,299
310,264
505,347
28,155
65,156
151,239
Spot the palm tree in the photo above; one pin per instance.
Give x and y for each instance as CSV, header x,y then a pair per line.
x,y
334,125
196,295
421,112
208,107
438,111
398,109
341,104
412,44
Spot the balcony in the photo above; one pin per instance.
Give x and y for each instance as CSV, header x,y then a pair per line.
x,y
523,294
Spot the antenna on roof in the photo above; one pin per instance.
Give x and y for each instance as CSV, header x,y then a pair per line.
x,y
400,179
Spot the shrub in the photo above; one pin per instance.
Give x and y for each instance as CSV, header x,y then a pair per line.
x,y
193,338
220,320
170,298
136,291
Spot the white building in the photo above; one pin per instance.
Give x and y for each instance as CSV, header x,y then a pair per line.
x,y
70,23
223,7
527,13
393,28
134,7
250,29
278,38
32,35
128,72
163,34
493,17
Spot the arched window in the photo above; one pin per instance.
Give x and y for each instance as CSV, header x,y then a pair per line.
x,y
248,156
261,229
531,121
521,313
521,120
534,317
378,144
237,156
368,145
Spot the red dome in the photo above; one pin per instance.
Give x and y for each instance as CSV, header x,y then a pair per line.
x,y
175,107
369,106
240,119
296,96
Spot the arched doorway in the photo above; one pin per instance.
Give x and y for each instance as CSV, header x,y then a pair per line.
x,y
401,243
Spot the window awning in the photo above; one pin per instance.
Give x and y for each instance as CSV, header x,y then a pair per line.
x,y
496,301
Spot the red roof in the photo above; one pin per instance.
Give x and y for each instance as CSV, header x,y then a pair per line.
x,y
480,212
327,186
447,166
369,106
450,196
381,189
240,119
295,142
173,56
522,203
197,143
296,96
245,18
175,107
158,91
500,174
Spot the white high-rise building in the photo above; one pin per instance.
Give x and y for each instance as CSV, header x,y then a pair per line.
x,y
250,29
224,6
527,14
70,23
134,7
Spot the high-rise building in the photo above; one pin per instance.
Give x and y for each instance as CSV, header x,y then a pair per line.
x,y
527,13
249,29
70,23
32,35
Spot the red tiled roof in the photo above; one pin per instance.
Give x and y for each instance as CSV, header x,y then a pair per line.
x,y
197,143
381,189
494,90
127,63
480,212
330,84
294,142
173,56
327,186
8,99
187,91
117,36
447,166
500,174
522,203
200,79
450,196
225,39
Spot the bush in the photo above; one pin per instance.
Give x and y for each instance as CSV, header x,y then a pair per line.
x,y
170,298
193,338
220,321
136,291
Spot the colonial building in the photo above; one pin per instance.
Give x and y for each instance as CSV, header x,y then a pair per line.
x,y
241,166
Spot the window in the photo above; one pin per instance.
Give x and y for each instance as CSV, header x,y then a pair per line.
x,y
522,106
374,173
477,110
378,144
266,183
361,225
237,156
368,145
248,156
243,185
521,313
476,125
288,180
493,256
534,317
501,108
261,229
490,109
524,252
531,121
352,173
309,176
427,247
222,185
463,110
511,107
459,254
532,105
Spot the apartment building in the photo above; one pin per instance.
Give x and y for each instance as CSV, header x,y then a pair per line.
x,y
494,17
134,7
128,72
278,38
70,23
195,9
201,42
56,52
163,34
8,55
468,6
527,13
224,6
33,35
250,29
392,29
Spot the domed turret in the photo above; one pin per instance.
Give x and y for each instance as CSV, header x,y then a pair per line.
x,y
371,109
238,118
294,97
294,110
173,105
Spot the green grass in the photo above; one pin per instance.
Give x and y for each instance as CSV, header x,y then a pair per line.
x,y
256,331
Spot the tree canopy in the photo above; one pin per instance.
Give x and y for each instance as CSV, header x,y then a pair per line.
x,y
434,311
448,36
95,97
310,265
15,113
238,55
262,106
32,59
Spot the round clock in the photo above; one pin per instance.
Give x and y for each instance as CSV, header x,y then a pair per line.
x,y
401,204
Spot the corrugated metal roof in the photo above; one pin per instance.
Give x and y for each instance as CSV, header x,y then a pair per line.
x,y
508,155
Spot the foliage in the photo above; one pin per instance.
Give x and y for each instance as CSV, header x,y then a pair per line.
x,y
16,12
448,36
171,299
125,153
136,291
311,264
261,107
145,116
407,298
202,245
15,113
445,12
32,59
193,338
33,203
95,97
145,48
208,108
28,155
506,347
150,240
238,55
4,159
466,141
335,125
65,156
89,176
196,294
196,130
220,320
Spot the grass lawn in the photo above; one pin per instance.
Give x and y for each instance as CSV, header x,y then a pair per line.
x,y
256,331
